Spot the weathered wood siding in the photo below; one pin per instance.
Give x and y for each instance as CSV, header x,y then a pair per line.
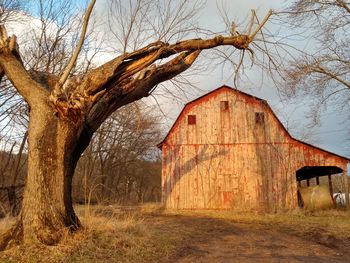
x,y
229,161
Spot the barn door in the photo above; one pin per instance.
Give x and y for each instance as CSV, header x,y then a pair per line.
x,y
225,191
228,191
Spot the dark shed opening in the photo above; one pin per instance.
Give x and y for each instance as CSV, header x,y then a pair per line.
x,y
308,172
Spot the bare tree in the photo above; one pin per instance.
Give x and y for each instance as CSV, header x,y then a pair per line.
x,y
323,71
53,34
9,9
66,109
123,144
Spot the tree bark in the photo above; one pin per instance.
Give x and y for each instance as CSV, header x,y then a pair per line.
x,y
47,204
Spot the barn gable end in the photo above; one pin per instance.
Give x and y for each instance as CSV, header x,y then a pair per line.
x,y
228,150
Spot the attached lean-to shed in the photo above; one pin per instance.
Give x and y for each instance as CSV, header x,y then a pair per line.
x,y
228,150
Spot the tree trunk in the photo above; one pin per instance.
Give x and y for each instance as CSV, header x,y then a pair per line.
x,y
47,210
47,204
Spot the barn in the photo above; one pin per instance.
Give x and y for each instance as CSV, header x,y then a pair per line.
x,y
228,150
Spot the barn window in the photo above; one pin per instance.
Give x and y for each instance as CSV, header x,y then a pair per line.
x,y
191,119
259,118
224,105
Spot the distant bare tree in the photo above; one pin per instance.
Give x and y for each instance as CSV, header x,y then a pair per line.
x,y
323,71
9,9
120,148
12,169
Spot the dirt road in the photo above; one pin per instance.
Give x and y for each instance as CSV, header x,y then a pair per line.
x,y
215,240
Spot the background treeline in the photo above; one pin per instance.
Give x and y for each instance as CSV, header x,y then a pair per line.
x,y
121,165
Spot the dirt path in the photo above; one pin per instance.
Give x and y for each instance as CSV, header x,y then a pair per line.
x,y
252,245
215,240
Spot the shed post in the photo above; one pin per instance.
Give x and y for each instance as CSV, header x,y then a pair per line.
x,y
330,185
346,188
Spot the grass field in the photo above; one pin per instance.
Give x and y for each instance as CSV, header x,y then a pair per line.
x,y
146,234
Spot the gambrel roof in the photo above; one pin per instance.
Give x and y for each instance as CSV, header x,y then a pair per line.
x,y
250,99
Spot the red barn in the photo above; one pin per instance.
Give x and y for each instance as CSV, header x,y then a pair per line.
x,y
228,150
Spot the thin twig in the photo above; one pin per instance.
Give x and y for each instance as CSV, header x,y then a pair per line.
x,y
261,24
76,52
250,26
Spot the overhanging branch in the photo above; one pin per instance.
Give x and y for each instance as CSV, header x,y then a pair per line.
x,y
125,66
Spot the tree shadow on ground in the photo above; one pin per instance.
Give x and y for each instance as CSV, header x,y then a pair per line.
x,y
205,239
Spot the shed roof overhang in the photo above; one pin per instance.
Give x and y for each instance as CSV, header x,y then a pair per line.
x,y
308,172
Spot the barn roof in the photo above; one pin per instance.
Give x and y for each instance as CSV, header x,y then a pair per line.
x,y
225,87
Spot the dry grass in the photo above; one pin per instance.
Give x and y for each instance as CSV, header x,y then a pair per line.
x,y
144,234
109,236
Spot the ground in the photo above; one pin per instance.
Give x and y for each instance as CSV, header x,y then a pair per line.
x,y
128,234
222,241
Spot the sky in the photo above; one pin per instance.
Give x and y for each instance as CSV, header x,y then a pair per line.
x,y
331,135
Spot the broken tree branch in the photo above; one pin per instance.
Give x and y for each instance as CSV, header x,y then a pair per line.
x,y
138,88
123,67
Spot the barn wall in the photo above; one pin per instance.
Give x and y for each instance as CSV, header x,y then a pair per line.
x,y
228,161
